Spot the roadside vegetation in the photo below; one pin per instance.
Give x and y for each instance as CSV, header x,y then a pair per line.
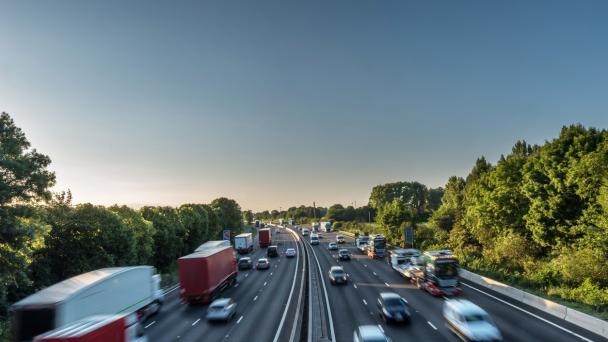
x,y
44,238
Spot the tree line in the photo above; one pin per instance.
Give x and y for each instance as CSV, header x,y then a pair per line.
x,y
44,238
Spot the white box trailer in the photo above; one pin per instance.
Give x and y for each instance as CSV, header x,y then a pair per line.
x,y
213,244
243,243
107,291
326,226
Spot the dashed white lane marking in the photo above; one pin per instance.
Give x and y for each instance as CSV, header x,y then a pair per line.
x,y
355,285
387,284
270,273
149,325
255,298
364,265
240,319
380,326
265,283
236,285
431,324
364,302
198,320
375,273
246,275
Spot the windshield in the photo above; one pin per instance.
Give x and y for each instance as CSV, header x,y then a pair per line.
x,y
379,244
394,304
474,318
446,269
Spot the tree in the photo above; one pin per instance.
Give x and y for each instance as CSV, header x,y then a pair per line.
x,y
143,232
248,217
196,222
169,236
229,214
451,204
392,218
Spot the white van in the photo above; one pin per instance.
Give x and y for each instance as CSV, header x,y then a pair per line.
x,y
314,239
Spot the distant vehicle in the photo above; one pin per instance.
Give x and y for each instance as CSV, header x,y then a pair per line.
x,y
361,243
257,223
222,309
340,239
326,227
370,333
262,225
332,246
469,322
119,328
265,237
102,292
314,239
243,243
291,221
290,252
337,275
204,274
245,263
213,244
400,259
393,308
272,252
376,246
305,231
344,254
262,264
281,222
439,275
315,226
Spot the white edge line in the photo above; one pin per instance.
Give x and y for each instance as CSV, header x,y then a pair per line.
x,y
529,313
331,321
293,329
173,288
431,324
293,285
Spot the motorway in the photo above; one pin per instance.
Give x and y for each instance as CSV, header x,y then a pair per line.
x,y
355,304
261,296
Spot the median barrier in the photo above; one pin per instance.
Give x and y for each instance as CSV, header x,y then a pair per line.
x,y
575,317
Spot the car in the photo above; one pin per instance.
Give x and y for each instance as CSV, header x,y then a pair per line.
x,y
344,254
393,308
337,275
222,309
370,333
245,263
340,239
314,239
469,322
262,264
272,251
290,252
332,246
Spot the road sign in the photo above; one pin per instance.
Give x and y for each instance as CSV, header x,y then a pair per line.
x,y
226,234
409,236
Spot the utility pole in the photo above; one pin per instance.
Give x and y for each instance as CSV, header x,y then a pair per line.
x,y
314,211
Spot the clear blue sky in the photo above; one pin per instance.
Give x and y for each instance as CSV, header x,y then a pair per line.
x,y
278,103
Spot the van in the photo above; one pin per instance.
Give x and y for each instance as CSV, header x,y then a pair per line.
x,y
314,239
305,231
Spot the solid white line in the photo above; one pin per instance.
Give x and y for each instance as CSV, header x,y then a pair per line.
x,y
380,326
364,302
255,298
149,325
198,320
331,320
240,319
529,313
171,289
431,324
294,326
293,285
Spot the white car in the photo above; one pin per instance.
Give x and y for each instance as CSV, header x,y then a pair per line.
x,y
469,322
290,252
370,333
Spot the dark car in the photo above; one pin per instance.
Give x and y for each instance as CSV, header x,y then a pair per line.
x,y
272,252
337,275
344,254
393,308
245,263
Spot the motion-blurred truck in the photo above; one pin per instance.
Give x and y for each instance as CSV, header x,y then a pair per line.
x,y
243,243
439,275
107,291
204,274
361,243
115,328
326,227
265,237
315,227
400,260
376,246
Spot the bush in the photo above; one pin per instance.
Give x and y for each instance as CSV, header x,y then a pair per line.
x,y
588,293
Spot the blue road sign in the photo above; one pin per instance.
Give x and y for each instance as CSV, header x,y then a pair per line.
x,y
226,234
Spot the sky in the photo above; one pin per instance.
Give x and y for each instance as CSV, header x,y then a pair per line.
x,y
282,103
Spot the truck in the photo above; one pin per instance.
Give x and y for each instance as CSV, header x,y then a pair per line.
x,y
281,222
212,244
116,328
203,275
107,291
400,260
265,237
326,226
439,274
315,226
361,243
257,223
376,246
243,243
291,221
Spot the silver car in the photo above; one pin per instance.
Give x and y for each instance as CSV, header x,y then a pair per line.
x,y
469,322
222,309
370,333
332,246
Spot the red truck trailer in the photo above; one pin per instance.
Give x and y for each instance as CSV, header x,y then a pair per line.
x,y
116,328
265,237
204,274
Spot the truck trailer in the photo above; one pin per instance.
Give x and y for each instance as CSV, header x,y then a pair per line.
x,y
439,274
265,237
107,291
203,275
326,227
401,258
243,243
115,328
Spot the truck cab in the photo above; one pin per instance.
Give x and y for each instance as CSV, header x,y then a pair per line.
x,y
400,259
439,275
376,247
361,243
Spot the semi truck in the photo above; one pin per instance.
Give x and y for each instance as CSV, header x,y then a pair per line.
x,y
361,242
292,221
315,226
203,275
281,222
326,226
439,274
116,328
257,223
265,237
401,259
107,291
243,243
376,246
212,244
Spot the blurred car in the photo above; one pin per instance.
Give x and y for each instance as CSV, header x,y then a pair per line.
x,y
290,252
469,322
314,239
332,246
337,275
222,309
245,263
340,239
393,308
344,254
370,333
262,264
272,251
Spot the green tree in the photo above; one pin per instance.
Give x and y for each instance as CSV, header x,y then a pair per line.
x,y
196,222
143,231
169,236
229,214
